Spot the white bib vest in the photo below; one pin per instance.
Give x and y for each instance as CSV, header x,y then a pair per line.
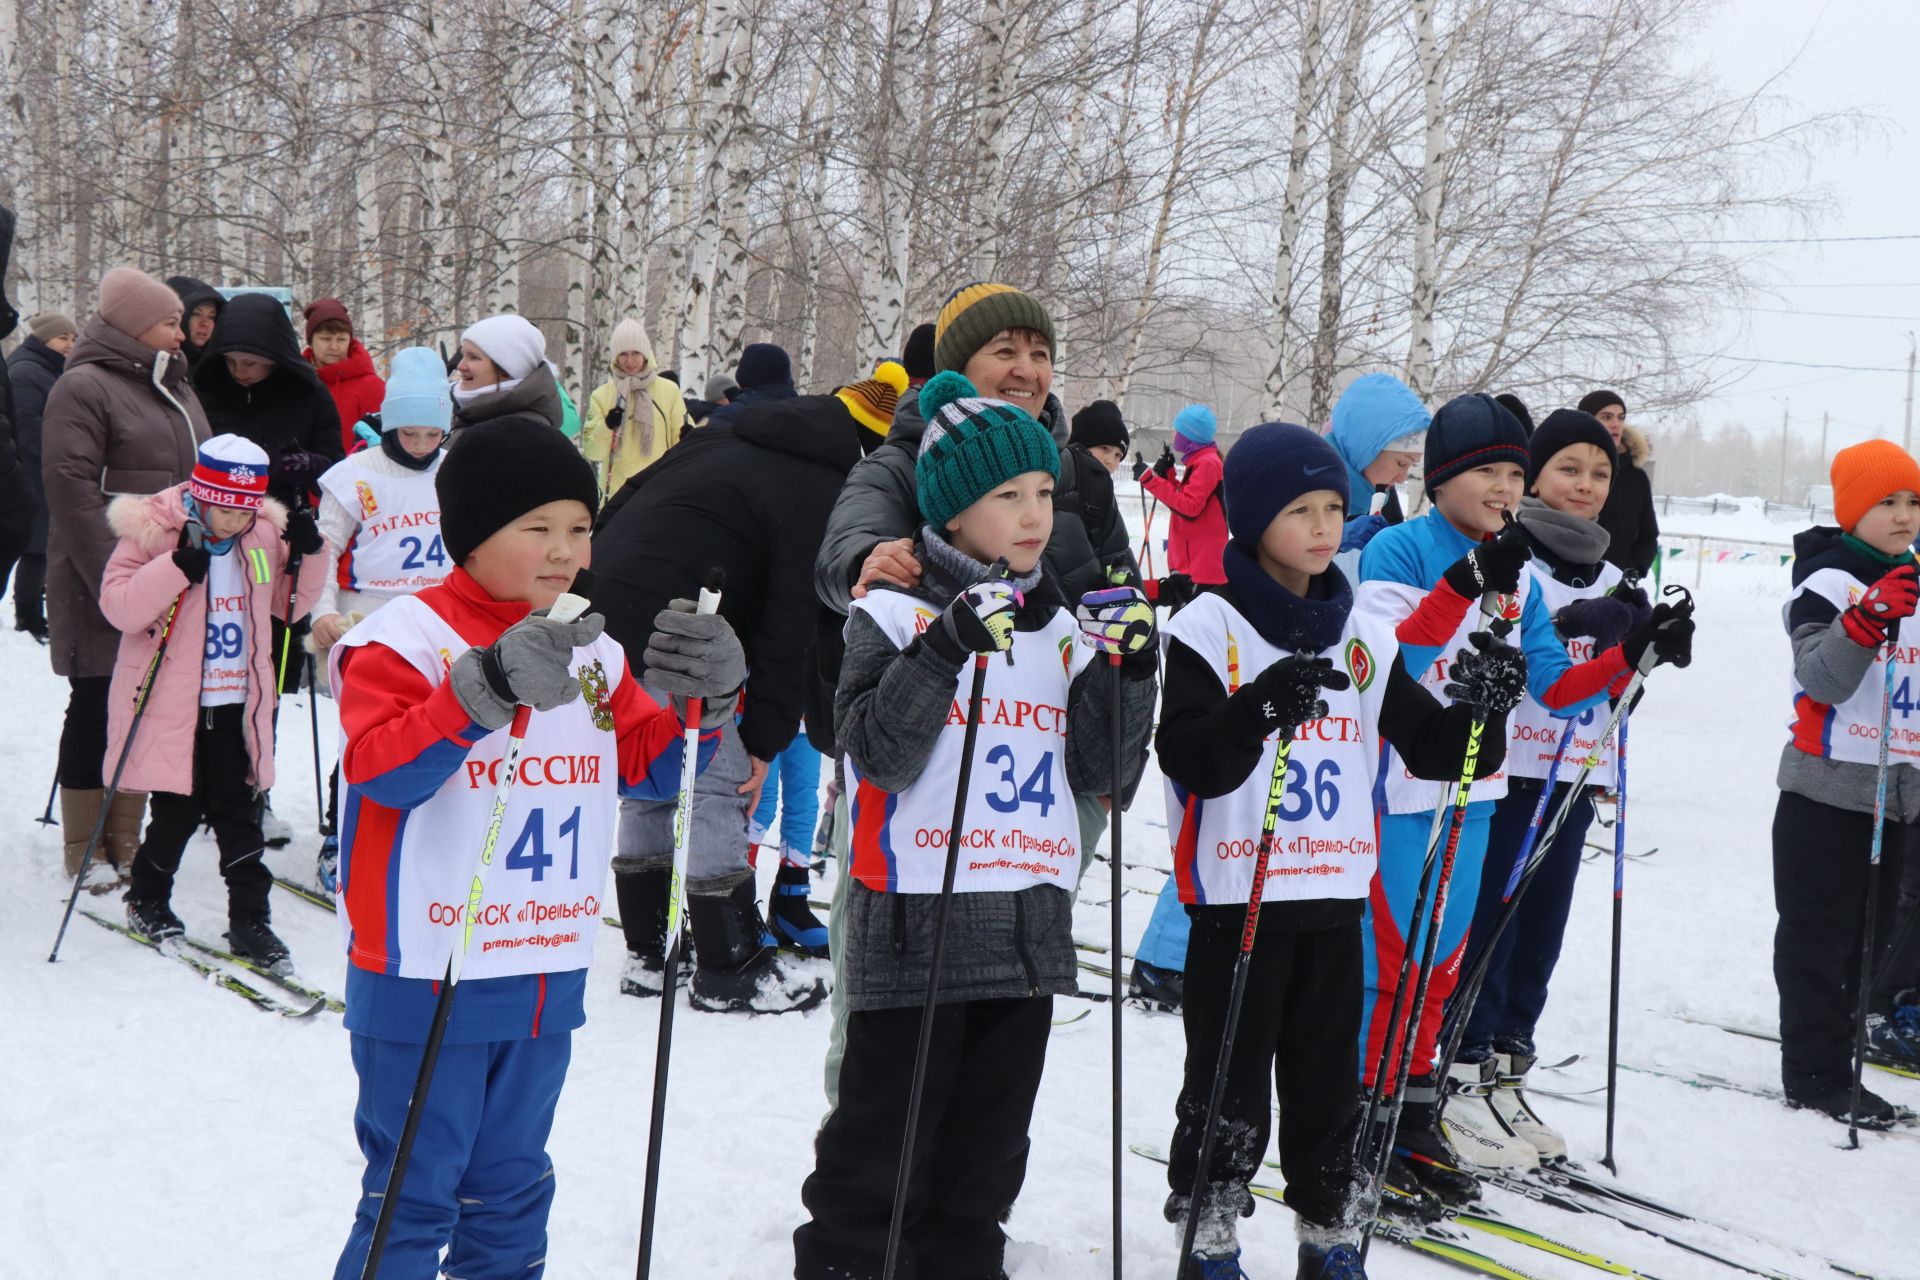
x,y
1021,825
1384,605
1326,842
397,550
223,672
404,889
1535,731
1850,730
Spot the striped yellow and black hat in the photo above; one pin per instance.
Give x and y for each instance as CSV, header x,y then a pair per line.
x,y
973,313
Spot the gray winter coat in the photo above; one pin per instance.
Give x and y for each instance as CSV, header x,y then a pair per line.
x,y
889,711
1830,665
109,429
879,504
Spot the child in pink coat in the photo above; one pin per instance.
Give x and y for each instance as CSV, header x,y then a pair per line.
x,y
209,558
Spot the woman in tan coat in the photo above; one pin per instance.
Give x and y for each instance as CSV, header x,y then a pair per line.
x,y
121,419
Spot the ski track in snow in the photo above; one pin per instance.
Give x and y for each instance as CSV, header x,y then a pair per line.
x,y
154,1125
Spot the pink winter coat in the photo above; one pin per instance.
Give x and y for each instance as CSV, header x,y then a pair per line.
x,y
1197,533
139,585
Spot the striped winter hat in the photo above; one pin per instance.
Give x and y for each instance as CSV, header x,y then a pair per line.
x,y
973,446
973,313
872,401
231,471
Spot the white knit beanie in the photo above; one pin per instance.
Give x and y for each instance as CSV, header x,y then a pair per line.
x,y
630,335
509,341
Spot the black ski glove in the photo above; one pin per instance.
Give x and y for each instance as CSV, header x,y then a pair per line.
x,y
1140,467
1174,592
303,534
1489,675
1492,566
299,468
616,415
193,562
1669,630
1284,696
1164,467
980,620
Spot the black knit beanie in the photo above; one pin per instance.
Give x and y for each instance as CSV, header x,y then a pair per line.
x,y
1097,424
1514,405
1594,401
1472,431
497,471
1565,427
918,357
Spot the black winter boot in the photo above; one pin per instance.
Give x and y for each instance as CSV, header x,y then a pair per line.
x,y
736,971
153,919
1425,1153
642,896
249,938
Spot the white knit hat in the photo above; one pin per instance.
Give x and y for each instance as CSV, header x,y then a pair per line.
x,y
509,341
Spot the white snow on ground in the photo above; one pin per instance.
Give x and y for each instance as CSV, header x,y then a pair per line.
x,y
156,1126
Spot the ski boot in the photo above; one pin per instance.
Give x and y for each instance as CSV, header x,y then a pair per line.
x,y
1515,1109
789,919
1331,1262
326,866
737,971
1428,1160
153,919
249,938
1875,1111
1891,1043
1474,1128
1402,1196
1156,988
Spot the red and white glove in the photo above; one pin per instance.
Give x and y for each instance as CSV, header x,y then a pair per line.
x,y
1894,597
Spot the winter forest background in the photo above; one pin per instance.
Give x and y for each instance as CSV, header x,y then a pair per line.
x,y
1247,202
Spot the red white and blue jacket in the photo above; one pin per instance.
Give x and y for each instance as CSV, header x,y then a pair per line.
x,y
419,778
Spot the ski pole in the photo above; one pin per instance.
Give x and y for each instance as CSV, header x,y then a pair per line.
x,y
1619,892
1117,719
46,819
670,974
1532,854
195,537
566,609
1236,994
927,1007
313,720
1436,915
1873,891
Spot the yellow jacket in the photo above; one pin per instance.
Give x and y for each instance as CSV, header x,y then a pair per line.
x,y
668,412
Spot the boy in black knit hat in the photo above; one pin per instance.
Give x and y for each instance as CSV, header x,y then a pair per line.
x,y
427,689
985,487
1279,652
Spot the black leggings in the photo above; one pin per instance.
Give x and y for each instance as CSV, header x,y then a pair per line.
x,y
83,735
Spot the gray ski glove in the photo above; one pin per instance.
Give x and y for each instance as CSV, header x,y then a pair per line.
x,y
531,663
695,655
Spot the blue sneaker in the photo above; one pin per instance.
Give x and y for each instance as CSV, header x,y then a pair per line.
x,y
790,920
1335,1262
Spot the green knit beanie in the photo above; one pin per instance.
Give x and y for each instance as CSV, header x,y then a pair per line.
x,y
973,313
973,446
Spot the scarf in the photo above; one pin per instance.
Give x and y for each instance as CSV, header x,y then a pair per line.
x,y
1300,624
1574,540
634,390
213,546
390,446
956,568
1875,556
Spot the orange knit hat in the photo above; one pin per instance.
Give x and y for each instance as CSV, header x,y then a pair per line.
x,y
1865,473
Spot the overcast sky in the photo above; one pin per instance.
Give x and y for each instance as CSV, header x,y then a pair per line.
x,y
1857,53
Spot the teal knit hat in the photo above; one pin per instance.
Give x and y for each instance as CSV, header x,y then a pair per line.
x,y
973,446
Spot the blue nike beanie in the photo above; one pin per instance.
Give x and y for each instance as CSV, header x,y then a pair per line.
x,y
1473,431
1270,466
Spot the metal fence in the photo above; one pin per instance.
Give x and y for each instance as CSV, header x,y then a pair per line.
x,y
1780,512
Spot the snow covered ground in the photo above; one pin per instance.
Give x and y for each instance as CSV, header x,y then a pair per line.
x,y
152,1125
